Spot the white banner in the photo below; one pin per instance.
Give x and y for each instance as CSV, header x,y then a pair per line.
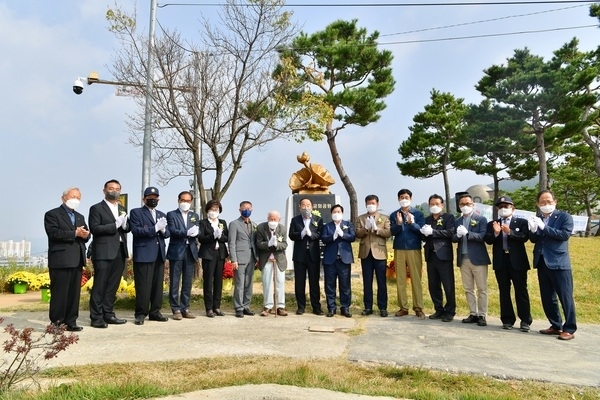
x,y
579,222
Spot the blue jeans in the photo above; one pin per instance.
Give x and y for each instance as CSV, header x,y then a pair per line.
x,y
181,271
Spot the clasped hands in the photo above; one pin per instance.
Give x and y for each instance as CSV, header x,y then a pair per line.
x,y
534,223
272,242
161,224
370,223
121,221
217,233
193,231
461,231
427,230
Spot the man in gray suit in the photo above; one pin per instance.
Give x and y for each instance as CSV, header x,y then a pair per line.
x,y
243,258
473,259
271,243
182,255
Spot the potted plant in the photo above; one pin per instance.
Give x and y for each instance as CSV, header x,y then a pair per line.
x,y
227,275
20,281
41,282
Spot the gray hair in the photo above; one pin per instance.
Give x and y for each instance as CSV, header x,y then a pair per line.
x,y
67,190
274,213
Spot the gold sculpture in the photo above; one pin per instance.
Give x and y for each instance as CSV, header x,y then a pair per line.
x,y
312,179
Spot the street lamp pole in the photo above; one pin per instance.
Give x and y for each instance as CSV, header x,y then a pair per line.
x,y
147,142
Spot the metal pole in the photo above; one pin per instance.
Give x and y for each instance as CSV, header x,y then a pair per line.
x,y
147,143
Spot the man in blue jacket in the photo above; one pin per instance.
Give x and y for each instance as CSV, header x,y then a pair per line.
x,y
405,224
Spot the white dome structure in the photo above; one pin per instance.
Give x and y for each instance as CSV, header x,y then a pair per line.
x,y
480,193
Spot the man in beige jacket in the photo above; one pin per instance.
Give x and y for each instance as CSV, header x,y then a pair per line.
x,y
373,230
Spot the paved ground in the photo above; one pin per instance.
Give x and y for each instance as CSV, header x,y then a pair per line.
x,y
453,346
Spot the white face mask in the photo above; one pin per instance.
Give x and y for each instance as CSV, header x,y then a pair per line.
x,y
184,206
213,214
548,208
72,203
371,208
404,203
272,224
336,217
505,212
435,209
466,210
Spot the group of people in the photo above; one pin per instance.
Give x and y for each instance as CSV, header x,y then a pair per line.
x,y
263,246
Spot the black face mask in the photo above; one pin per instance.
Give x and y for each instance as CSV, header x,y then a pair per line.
x,y
113,195
151,203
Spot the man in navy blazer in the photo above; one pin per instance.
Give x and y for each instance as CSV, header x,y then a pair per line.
x,y
337,259
108,224
550,231
182,254
67,235
305,232
508,235
149,229
473,259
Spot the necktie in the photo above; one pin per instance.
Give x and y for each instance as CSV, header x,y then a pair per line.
x,y
153,214
504,236
71,216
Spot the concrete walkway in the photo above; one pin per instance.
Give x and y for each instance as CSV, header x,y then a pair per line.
x,y
406,341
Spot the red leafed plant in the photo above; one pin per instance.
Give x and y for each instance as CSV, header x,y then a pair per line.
x,y
228,270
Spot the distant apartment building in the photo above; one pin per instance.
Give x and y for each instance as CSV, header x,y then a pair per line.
x,y
11,249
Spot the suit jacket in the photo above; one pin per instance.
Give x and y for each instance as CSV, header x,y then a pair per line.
x,y
207,240
440,241
340,245
301,244
376,242
241,242
147,243
407,236
65,250
263,235
178,230
519,234
107,236
552,242
475,245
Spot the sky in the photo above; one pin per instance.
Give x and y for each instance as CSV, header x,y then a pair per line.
x,y
52,139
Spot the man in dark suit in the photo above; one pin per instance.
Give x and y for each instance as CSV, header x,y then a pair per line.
x,y
67,234
473,259
149,229
271,244
337,236
507,237
305,231
242,251
437,233
550,231
213,238
108,224
182,254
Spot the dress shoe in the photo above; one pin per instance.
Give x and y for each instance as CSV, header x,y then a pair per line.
x,y
74,328
524,327
471,319
330,313
566,336
437,315
401,313
551,331
282,312
210,314
115,321
367,311
346,313
300,311
139,320
219,313
177,316
98,323
447,318
481,321
265,312
247,311
508,327
239,314
187,314
158,317
383,313
419,313
318,312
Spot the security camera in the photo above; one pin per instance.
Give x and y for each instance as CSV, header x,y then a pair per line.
x,y
78,86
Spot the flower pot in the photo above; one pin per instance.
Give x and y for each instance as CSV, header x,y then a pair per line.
x,y
45,295
19,288
227,284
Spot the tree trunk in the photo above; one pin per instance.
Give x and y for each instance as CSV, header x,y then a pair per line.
x,y
446,188
496,194
540,150
337,162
